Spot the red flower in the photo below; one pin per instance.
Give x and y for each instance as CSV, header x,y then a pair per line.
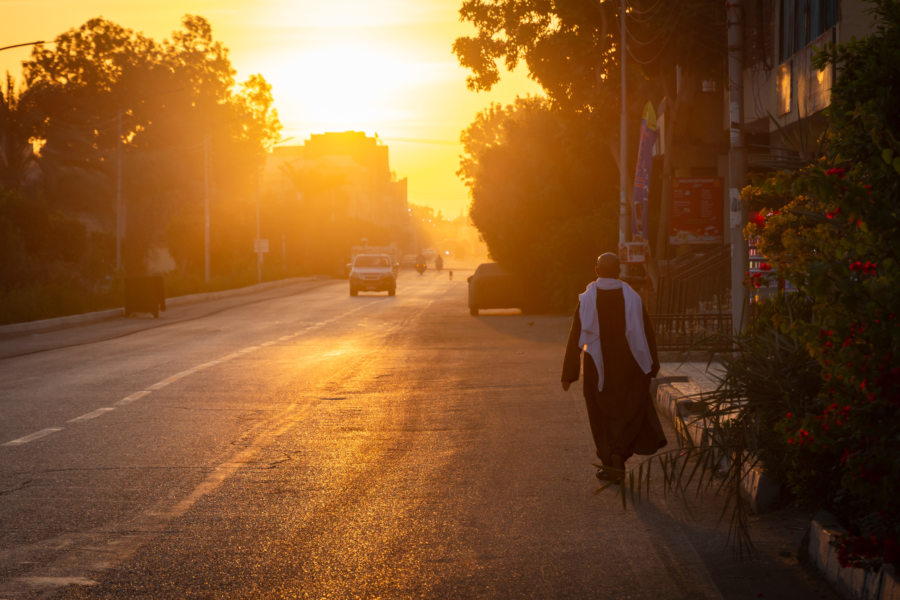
x,y
838,171
868,267
758,219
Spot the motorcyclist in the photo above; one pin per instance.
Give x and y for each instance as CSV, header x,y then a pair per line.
x,y
420,264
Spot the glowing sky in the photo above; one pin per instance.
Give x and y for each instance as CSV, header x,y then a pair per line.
x,y
379,66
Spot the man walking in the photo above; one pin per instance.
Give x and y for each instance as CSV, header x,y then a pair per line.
x,y
611,326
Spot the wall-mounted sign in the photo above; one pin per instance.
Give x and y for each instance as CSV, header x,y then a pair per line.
x,y
639,198
696,216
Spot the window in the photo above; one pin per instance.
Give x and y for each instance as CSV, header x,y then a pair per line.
x,y
802,21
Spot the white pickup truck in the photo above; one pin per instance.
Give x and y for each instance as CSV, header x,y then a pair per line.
x,y
373,273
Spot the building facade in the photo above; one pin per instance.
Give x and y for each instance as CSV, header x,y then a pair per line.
x,y
346,175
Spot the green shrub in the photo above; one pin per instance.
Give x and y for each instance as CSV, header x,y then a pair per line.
x,y
831,230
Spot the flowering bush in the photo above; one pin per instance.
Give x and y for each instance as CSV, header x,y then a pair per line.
x,y
831,229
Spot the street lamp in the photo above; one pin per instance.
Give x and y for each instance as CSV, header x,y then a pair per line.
x,y
261,246
120,203
21,45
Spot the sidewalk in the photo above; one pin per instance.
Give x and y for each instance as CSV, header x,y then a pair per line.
x,y
677,381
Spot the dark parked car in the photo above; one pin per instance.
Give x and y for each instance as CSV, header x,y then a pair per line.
x,y
491,286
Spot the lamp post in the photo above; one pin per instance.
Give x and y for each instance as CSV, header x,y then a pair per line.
x,y
261,246
120,217
737,167
120,202
623,140
22,45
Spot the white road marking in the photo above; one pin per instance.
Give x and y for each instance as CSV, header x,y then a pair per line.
x,y
165,382
92,415
34,436
132,398
57,581
173,378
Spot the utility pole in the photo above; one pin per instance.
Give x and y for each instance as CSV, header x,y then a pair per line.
x,y
206,208
623,141
120,217
258,248
737,165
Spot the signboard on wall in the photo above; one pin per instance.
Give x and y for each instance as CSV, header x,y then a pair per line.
x,y
642,171
696,210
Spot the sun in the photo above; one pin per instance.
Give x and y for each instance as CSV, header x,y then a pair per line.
x,y
345,85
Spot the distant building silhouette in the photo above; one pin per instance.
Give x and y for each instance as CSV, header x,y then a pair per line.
x,y
349,171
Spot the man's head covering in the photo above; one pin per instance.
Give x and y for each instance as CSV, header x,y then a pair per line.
x,y
608,265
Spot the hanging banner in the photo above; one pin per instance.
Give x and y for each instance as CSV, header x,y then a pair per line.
x,y
696,216
639,197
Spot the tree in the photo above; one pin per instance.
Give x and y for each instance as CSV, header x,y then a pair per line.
x,y
572,49
17,127
537,177
107,94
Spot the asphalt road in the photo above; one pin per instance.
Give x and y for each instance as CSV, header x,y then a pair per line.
x,y
300,443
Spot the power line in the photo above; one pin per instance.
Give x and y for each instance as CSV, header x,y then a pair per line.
x,y
427,141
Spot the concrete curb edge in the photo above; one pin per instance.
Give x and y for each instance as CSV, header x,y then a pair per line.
x,y
854,582
675,398
105,315
671,395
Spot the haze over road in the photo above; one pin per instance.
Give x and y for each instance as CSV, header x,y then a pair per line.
x,y
300,443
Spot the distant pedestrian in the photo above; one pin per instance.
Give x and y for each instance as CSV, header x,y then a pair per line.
x,y
611,326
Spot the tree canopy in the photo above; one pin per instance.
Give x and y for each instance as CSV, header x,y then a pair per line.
x,y
105,93
573,50
107,113
537,176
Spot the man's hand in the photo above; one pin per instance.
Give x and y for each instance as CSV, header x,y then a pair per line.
x,y
566,385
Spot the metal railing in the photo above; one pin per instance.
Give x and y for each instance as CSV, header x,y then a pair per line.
x,y
692,331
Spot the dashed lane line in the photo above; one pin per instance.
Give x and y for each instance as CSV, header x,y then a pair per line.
x,y
132,398
92,415
34,436
170,380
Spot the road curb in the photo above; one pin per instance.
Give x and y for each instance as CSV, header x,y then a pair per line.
x,y
675,398
854,582
678,399
113,313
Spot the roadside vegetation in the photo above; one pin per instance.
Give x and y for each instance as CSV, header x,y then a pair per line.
x,y
811,393
111,129
543,172
830,231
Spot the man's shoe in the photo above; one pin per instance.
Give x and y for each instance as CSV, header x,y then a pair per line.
x,y
608,474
